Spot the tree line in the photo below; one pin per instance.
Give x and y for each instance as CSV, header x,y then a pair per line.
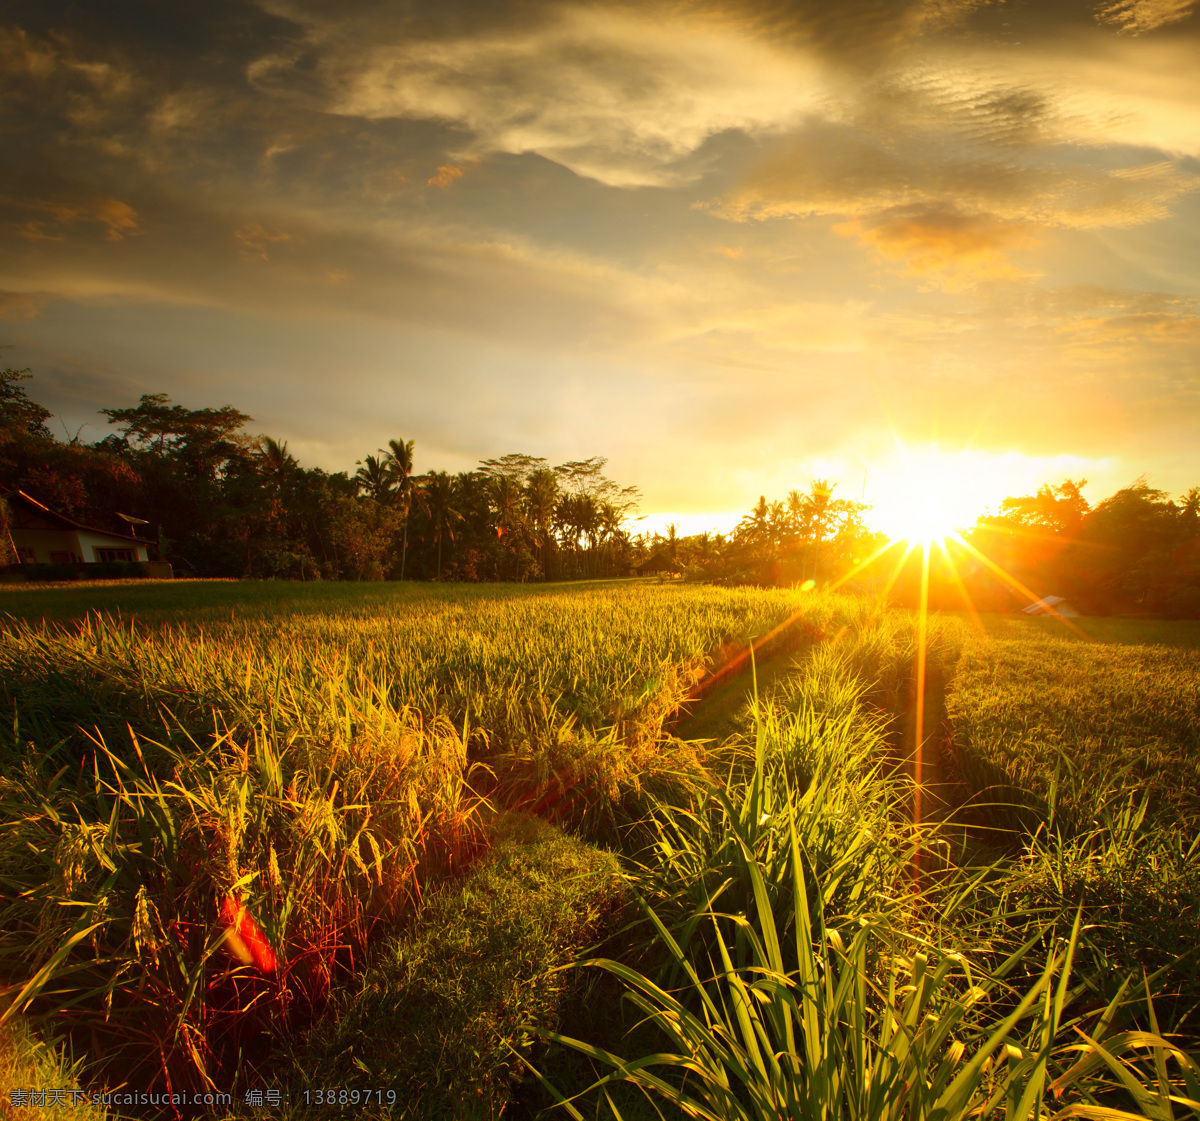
x,y
808,538
1135,552
222,502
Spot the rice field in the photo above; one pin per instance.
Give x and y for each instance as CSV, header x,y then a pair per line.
x,y
1108,718
442,797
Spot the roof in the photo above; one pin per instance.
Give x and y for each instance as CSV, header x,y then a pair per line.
x,y
23,499
1050,605
658,562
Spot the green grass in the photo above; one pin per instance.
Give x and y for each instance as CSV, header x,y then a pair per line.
x,y
27,1063
328,761
800,975
444,1016
1082,754
1109,718
431,799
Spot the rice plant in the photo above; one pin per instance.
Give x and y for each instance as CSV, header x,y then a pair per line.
x,y
801,981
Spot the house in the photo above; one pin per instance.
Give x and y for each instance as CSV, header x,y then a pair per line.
x,y
656,565
1052,605
39,535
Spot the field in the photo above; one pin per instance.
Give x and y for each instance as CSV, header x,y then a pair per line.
x,y
433,800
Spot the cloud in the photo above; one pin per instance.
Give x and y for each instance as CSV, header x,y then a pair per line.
x,y
1150,328
874,162
446,174
255,240
613,95
1138,16
950,168
16,306
118,218
954,250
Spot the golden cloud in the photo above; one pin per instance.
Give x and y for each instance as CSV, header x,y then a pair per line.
x,y
1137,16
614,94
255,240
953,250
119,219
446,174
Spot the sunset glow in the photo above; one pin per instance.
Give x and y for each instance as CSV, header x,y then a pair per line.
x,y
693,239
926,494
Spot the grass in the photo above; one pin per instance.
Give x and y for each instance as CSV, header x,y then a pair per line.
x,y
469,979
28,1064
799,974
433,799
1082,752
326,768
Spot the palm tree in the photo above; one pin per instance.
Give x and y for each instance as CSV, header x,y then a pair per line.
x,y
399,457
756,524
1190,506
672,541
541,497
439,502
819,503
276,466
376,478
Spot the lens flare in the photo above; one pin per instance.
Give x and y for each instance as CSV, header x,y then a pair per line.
x,y
244,941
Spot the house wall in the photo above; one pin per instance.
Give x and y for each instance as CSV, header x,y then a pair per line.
x,y
78,544
44,542
90,542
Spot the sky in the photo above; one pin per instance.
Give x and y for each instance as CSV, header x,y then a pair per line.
x,y
732,247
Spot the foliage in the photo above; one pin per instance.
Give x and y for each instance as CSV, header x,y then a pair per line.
x,y
812,537
1136,551
28,1063
800,979
1084,757
328,768
18,414
363,767
226,503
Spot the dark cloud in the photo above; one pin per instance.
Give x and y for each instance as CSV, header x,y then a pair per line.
x,y
1140,16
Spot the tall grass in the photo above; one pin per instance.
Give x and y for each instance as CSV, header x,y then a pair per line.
x,y
1104,720
324,770
618,657
799,975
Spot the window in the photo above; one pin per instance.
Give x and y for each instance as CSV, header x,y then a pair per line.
x,y
115,555
62,558
25,555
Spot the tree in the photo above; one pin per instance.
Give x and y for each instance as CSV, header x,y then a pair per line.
x,y
443,513
18,414
820,512
516,466
157,425
541,496
377,478
399,457
1058,509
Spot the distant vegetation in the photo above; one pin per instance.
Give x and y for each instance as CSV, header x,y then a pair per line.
x,y
1136,551
222,502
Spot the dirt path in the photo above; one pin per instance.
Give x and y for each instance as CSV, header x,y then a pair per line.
x,y
715,716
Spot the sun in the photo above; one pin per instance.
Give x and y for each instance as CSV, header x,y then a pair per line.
x,y
926,495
